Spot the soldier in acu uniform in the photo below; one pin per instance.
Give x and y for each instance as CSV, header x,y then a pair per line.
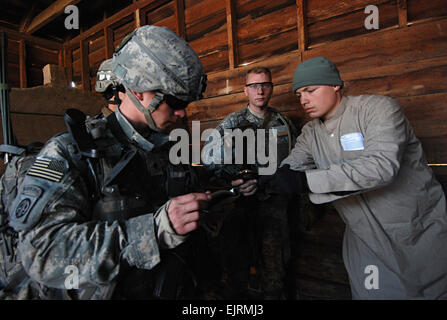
x,y
99,210
263,226
109,86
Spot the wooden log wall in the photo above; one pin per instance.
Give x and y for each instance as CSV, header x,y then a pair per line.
x,y
27,55
406,58
36,110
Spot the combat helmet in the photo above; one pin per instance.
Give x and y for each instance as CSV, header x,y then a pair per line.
x,y
107,83
154,58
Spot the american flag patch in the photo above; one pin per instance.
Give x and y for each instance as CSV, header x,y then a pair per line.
x,y
49,169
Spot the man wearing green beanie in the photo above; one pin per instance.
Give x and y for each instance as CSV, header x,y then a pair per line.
x,y
361,154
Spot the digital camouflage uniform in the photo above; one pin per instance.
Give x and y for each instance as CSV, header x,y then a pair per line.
x,y
259,232
115,232
61,226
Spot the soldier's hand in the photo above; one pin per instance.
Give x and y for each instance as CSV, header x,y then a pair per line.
x,y
183,211
246,188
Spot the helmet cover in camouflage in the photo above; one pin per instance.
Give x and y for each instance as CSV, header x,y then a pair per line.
x,y
154,58
105,77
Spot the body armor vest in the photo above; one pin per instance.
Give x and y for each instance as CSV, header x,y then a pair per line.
x,y
130,181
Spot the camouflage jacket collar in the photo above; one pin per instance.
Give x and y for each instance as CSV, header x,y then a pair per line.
x,y
254,113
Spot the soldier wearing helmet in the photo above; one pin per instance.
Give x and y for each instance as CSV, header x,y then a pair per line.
x,y
109,86
96,213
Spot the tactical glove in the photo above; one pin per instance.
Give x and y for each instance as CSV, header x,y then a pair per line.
x,y
285,181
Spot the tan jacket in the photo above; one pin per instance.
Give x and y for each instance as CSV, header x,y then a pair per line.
x,y
368,162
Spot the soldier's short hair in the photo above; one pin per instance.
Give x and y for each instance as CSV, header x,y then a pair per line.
x,y
258,70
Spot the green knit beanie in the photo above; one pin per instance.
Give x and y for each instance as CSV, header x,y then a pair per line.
x,y
316,71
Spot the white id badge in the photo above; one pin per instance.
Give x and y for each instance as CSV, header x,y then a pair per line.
x,y
352,141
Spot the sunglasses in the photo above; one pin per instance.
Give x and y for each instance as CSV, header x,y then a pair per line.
x,y
174,103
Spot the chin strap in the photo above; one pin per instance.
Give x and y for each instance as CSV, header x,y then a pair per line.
x,y
155,103
116,98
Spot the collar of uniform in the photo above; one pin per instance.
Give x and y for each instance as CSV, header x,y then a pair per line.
x,y
131,133
340,109
257,115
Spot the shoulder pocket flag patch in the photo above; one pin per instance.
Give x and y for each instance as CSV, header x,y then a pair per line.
x,y
49,169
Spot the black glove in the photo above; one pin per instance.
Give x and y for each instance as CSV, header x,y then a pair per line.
x,y
285,181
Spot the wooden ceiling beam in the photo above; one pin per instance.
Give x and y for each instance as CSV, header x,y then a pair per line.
x,y
29,16
49,14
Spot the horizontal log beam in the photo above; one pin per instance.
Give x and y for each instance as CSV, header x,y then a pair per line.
x,y
130,10
357,58
17,36
49,14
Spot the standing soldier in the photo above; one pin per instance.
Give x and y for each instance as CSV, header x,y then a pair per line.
x,y
109,86
266,216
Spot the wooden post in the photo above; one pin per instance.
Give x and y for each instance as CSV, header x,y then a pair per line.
x,y
60,57
108,42
85,74
302,25
143,17
137,17
68,62
233,56
402,12
22,64
140,17
180,17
